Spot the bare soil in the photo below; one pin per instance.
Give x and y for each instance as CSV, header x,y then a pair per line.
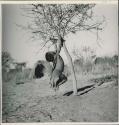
x,y
35,101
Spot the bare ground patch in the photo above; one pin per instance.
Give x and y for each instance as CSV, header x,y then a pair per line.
x,y
35,101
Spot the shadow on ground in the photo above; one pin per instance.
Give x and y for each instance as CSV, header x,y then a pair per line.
x,y
82,90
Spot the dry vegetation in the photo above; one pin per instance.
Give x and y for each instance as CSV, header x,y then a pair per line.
x,y
34,100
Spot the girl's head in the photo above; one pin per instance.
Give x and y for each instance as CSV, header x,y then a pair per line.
x,y
50,56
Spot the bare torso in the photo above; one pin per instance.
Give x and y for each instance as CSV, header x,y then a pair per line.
x,y
59,64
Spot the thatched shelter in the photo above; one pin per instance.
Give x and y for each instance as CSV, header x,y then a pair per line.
x,y
40,69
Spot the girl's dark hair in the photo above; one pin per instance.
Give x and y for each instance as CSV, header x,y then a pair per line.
x,y
50,56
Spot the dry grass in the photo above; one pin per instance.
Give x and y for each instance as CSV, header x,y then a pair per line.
x,y
34,100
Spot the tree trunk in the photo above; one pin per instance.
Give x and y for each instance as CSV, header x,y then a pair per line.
x,y
72,69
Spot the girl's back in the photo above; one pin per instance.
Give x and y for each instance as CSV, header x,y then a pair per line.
x,y
59,64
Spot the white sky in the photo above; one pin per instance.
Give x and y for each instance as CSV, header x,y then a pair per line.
x,y
18,43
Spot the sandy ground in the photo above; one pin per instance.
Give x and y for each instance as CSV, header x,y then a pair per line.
x,y
35,101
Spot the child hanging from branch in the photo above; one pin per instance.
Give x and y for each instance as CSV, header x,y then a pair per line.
x,y
57,76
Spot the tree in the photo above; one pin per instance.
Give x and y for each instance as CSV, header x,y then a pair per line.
x,y
6,61
55,21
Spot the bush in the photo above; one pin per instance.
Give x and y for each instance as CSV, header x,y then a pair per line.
x,y
85,58
100,65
